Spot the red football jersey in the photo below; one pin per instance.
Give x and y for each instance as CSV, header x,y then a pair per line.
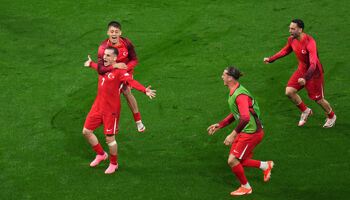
x,y
126,55
109,86
306,52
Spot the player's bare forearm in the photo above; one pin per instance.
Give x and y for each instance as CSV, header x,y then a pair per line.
x,y
120,65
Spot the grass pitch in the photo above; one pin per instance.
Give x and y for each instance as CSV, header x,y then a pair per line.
x,y
183,47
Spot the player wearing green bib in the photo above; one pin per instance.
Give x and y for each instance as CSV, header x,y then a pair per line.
x,y
247,134
253,124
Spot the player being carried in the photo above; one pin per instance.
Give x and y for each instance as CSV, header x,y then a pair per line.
x,y
309,73
126,59
247,134
106,107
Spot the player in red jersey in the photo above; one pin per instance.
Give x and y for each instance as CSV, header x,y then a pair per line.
x,y
127,59
106,108
309,73
247,134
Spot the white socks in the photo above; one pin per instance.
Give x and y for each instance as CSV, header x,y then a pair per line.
x,y
263,165
246,186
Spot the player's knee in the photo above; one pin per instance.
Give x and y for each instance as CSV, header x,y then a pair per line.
x,y
87,132
289,93
110,139
233,161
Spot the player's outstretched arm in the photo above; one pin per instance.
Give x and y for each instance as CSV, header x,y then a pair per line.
x,y
150,93
285,51
124,76
90,63
213,128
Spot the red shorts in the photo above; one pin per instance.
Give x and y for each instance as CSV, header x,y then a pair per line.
x,y
313,86
244,143
110,121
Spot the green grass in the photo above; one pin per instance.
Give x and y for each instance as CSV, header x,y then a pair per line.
x,y
183,47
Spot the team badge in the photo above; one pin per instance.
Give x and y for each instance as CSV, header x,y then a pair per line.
x,y
110,76
303,51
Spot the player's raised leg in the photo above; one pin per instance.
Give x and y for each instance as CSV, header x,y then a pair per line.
x,y
92,139
291,93
266,166
331,117
113,154
134,108
237,168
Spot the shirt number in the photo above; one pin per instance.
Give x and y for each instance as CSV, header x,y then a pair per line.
x,y
103,80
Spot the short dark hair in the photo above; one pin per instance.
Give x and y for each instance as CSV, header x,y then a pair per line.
x,y
115,50
115,24
299,22
234,72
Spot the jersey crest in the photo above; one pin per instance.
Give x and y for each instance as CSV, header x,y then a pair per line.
x,y
111,76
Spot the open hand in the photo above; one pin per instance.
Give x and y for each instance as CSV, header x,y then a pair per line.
x,y
213,128
150,93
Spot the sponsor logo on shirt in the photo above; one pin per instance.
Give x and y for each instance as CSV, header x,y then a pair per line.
x,y
125,53
126,74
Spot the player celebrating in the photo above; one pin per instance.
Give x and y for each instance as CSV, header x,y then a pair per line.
x,y
247,134
309,73
106,108
126,60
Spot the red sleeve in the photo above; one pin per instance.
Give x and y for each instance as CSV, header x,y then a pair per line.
x,y
131,55
228,120
93,65
285,51
125,76
242,102
101,69
311,47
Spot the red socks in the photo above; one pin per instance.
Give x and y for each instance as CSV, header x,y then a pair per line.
x,y
239,172
113,158
331,114
137,116
302,106
251,163
98,149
